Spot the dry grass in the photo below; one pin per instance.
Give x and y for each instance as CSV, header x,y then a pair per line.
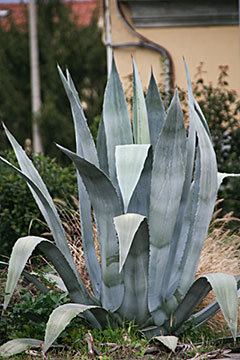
x,y
71,223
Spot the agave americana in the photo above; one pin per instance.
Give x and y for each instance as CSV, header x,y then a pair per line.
x,y
152,186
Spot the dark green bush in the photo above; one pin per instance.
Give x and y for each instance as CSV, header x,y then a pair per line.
x,y
17,206
28,315
61,41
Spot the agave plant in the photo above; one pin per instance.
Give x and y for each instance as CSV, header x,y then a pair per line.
x,y
152,186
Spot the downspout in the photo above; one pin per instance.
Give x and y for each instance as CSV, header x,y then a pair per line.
x,y
143,43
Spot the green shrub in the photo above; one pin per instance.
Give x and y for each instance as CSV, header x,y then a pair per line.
x,y
28,317
17,206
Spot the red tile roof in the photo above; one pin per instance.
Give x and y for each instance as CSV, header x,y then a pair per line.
x,y
83,11
16,11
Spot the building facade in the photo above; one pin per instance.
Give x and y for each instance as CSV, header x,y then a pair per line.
x,y
159,33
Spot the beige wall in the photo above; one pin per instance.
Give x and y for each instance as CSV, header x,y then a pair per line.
x,y
212,45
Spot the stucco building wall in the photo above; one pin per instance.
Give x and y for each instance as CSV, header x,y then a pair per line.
x,y
212,45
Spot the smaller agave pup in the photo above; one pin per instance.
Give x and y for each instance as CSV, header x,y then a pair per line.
x,y
152,186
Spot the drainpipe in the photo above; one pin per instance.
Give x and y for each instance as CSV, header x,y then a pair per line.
x,y
147,43
143,43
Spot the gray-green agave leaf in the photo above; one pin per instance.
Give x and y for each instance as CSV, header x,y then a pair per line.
x,y
130,161
85,148
168,175
155,111
17,346
135,270
21,252
116,120
59,319
106,206
140,117
126,226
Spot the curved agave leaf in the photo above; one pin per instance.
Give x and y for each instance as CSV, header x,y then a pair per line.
x,y
28,168
199,318
202,316
169,341
155,111
106,206
17,346
134,246
222,176
84,141
139,202
168,176
62,316
116,119
85,148
130,161
59,319
140,118
126,226
205,205
49,212
22,250
20,253
225,289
